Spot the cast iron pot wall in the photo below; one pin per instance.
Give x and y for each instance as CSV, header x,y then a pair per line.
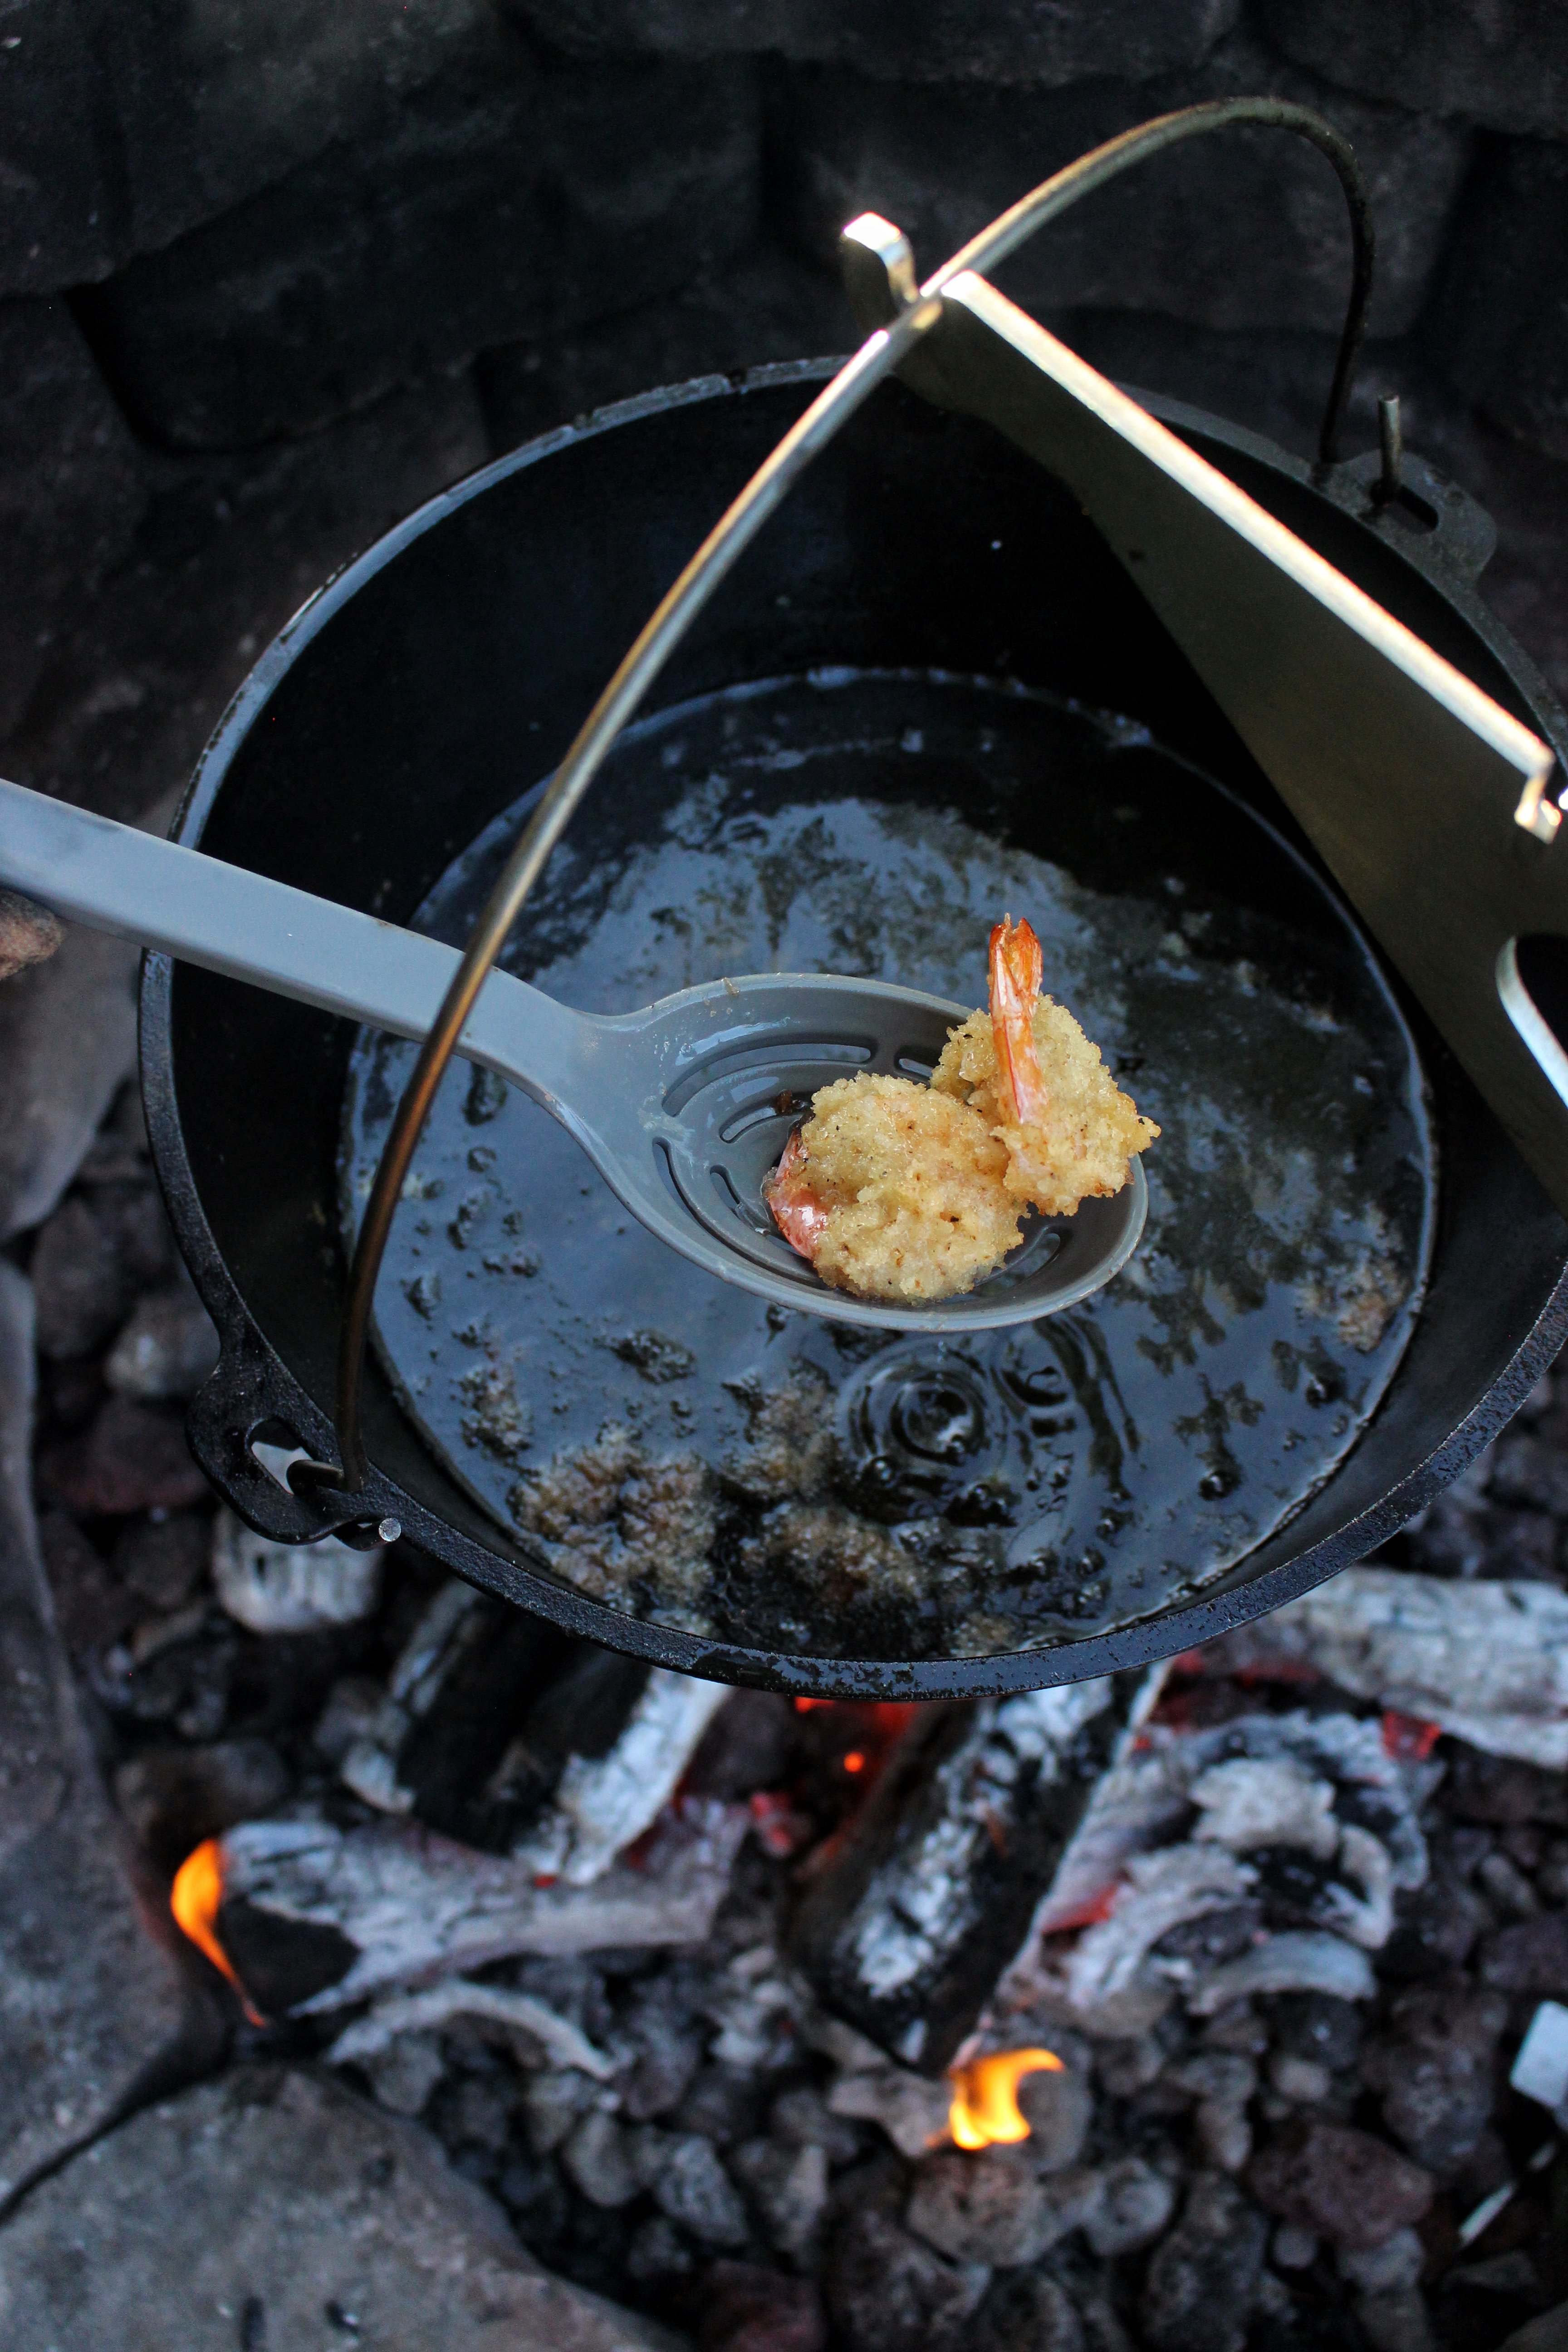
x,y
447,669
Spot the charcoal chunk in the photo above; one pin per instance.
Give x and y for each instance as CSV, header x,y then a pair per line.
x,y
722,2104
1203,2278
749,1745
788,2190
133,1458
748,2309
1530,1956
1434,2068
598,2159
1316,2026
1135,2204
92,1258
1505,1789
1434,1928
163,1557
986,2208
658,2252
693,2189
1058,2107
166,1349
1029,2313
980,1804
78,1278
668,2047
282,1962
888,2292
1341,2183
92,1608
482,1710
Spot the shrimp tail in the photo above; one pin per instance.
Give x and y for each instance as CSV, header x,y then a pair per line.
x,y
1016,966
799,1215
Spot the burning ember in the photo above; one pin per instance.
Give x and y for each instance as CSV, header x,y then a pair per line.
x,y
194,1900
985,2096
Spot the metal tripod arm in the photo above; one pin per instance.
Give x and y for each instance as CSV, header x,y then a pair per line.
x,y
1428,802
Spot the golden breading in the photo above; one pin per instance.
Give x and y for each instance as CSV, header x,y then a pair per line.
x,y
912,1185
1092,1127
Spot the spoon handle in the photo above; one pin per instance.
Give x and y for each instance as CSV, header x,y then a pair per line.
x,y
179,901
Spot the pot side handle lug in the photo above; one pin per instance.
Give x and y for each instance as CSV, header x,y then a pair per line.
x,y
1434,524
249,1397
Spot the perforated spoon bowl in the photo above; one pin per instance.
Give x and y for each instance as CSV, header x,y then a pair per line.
x,y
683,1107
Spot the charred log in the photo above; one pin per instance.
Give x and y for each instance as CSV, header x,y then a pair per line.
x,y
940,1878
484,1708
315,1916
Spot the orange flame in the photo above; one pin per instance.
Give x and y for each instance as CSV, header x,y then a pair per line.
x,y
194,1900
985,2096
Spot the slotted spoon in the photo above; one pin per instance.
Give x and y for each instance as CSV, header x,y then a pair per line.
x,y
684,1107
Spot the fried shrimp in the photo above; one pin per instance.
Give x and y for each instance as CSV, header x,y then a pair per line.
x,y
905,1192
894,1191
1041,1087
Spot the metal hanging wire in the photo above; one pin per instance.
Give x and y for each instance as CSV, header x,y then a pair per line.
x,y
878,358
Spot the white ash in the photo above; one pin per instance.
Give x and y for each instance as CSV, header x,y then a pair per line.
x,y
1321,1786
417,1905
871,2087
1488,1661
275,1588
563,2044
603,1804
757,2008
1160,1891
1540,2070
1296,1960
1259,1800
1139,1801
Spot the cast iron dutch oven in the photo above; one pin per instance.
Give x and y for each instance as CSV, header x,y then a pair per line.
x,y
418,696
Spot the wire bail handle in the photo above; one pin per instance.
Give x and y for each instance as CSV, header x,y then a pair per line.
x,y
879,357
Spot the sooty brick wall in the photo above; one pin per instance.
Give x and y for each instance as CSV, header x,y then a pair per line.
x,y
271,270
